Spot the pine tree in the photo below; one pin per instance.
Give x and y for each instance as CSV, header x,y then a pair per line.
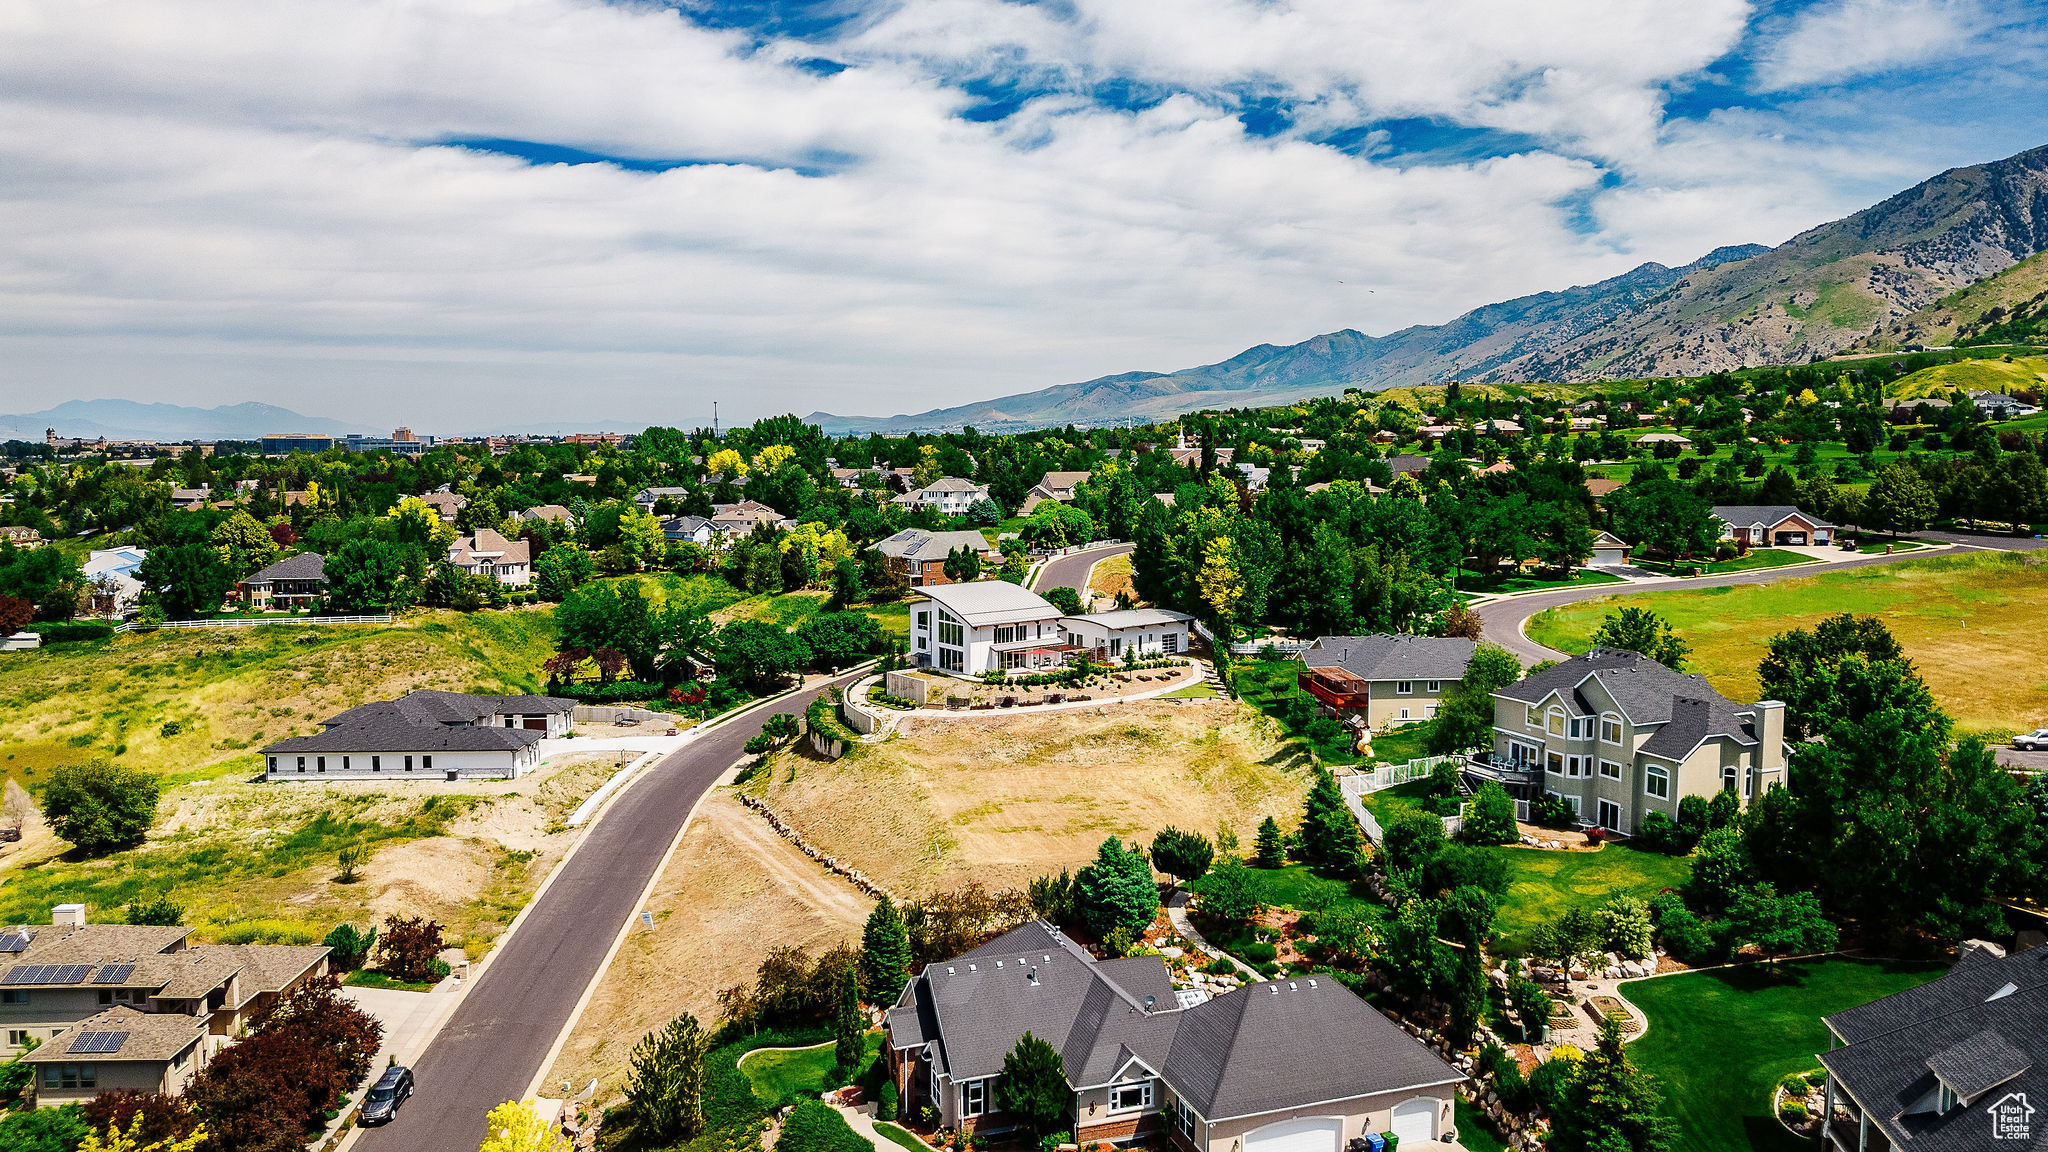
x,y
666,1087
1270,849
1329,836
885,953
1033,1087
848,1028
1611,1104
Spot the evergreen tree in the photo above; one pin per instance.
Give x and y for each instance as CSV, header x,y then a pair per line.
x,y
885,953
666,1082
1185,856
1329,835
1116,891
1269,850
1033,1087
1611,1104
849,1029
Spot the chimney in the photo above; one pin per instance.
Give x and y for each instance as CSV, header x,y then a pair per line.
x,y
72,914
1770,734
1033,977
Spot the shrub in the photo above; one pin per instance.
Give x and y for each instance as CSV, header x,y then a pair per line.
x,y
1552,811
1625,927
71,631
1793,1110
1794,1083
99,806
888,1102
1491,818
1689,938
1259,952
158,910
814,1126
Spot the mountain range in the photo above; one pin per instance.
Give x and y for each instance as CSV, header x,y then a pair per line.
x,y
1854,282
134,420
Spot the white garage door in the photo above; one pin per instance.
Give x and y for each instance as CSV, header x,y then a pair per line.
x,y
1321,1134
1415,1122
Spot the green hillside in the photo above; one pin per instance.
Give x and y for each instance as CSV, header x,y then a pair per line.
x,y
2025,372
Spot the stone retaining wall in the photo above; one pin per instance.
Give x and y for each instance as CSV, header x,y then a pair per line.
x,y
831,864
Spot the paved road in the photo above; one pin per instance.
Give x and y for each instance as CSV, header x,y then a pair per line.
x,y
492,1048
1071,571
1502,620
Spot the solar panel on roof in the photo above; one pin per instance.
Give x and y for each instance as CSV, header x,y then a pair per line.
x,y
66,973
15,940
19,973
97,1043
113,973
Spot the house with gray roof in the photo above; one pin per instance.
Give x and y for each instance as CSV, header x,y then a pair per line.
x,y
1386,679
1958,1063
1300,1065
949,494
920,554
114,1006
1619,736
1767,524
425,734
293,582
1129,631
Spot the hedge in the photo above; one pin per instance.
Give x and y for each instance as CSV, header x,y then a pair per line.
x,y
69,631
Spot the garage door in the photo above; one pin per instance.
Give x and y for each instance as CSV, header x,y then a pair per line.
x,y
1415,1122
1322,1134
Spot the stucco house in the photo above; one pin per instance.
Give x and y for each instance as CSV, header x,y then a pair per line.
x,y
486,553
1960,1063
969,629
115,1006
1765,524
647,498
112,586
742,518
1060,485
688,529
1384,679
292,582
921,554
1300,1065
1609,550
1619,735
950,495
425,733
445,504
1146,631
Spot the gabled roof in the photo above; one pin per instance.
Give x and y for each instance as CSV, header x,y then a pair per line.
x,y
1393,656
1981,1029
951,484
1764,515
427,720
1407,463
985,602
678,527
1644,689
1609,540
303,566
495,549
1062,479
147,1037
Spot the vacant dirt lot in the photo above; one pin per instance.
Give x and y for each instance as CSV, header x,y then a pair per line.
x,y
1003,801
733,889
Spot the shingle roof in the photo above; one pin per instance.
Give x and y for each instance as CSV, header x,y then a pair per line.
x,y
1270,1046
1982,1028
152,1036
427,720
1407,463
90,943
1645,689
265,967
1393,656
1133,618
917,544
1744,515
1693,720
1062,479
303,566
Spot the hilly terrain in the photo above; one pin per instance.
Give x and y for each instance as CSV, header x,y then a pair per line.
x,y
1830,289
134,420
2010,305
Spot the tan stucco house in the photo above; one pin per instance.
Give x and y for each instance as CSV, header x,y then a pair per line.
x,y
1299,1065
1386,679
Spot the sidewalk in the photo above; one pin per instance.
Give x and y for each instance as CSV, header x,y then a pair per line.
x,y
1177,914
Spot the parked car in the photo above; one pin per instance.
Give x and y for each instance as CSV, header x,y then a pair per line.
x,y
2035,741
391,1090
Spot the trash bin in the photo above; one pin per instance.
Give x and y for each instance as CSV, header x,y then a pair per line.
x,y
1376,1142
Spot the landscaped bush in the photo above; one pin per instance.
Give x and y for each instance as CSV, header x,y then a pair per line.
x,y
1625,925
1259,952
1794,1111
1552,811
1794,1084
71,631
814,1126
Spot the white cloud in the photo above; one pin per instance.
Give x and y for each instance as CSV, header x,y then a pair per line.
x,y
213,200
1853,38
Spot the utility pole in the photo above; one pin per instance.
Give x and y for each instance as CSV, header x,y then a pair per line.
x,y
714,419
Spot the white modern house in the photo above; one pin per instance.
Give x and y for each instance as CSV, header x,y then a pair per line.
x,y
110,577
425,734
1146,631
969,629
950,495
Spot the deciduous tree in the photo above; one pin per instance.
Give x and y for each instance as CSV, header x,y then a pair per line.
x,y
100,807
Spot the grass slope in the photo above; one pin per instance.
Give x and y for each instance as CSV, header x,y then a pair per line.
x,y
196,703
1972,624
2025,373
1543,884
784,1073
1718,1041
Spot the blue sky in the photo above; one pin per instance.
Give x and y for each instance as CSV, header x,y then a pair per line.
x,y
456,213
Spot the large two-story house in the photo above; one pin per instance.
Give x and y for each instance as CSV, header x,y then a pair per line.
x,y
1384,679
1300,1065
969,629
950,495
1619,735
422,734
127,1006
293,582
1957,1064
485,553
921,554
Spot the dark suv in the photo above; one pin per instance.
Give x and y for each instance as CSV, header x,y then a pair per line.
x,y
392,1089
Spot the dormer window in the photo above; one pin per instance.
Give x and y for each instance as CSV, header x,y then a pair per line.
x,y
1946,1101
1130,1097
1556,725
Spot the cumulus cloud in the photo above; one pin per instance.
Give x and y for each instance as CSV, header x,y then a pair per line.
x,y
216,200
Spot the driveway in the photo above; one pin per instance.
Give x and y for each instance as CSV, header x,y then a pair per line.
x,y
1071,570
493,1047
1502,620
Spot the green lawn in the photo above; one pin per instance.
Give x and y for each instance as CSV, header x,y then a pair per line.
x,y
1719,1040
1199,690
1903,544
1406,742
1265,683
780,1074
1517,582
895,1134
1389,805
1542,884
1971,623
1306,889
1761,558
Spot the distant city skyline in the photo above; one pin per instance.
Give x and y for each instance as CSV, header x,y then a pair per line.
x,y
458,216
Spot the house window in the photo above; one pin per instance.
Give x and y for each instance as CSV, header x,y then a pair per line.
x,y
1556,725
1404,687
1610,730
1008,632
952,659
13,995
1129,1097
1184,1119
1749,783
344,763
17,1038
1436,686
974,1097
1116,645
273,763
320,765
1553,763
1581,727
1610,769
1404,714
1657,782
302,763
1170,642
427,762
924,642
106,995
1015,659
70,1076
376,763
1946,1101
924,621
408,763
951,633
1728,778
1535,716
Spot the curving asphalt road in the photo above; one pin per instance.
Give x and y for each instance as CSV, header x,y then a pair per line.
x,y
1071,571
491,1049
1502,620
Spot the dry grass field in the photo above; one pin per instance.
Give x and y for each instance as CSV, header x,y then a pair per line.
x,y
1003,801
732,890
1110,577
1972,624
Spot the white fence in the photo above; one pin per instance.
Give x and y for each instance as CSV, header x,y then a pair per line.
x,y
1286,646
253,621
1368,781
1073,548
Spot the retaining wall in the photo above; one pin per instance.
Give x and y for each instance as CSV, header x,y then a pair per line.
x,y
853,875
